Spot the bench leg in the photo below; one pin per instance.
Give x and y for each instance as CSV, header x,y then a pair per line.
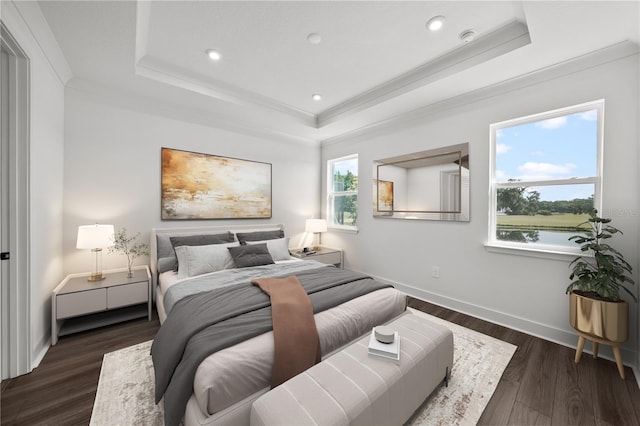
x,y
447,376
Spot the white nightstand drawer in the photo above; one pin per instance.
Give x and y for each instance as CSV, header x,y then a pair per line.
x,y
80,303
329,258
129,294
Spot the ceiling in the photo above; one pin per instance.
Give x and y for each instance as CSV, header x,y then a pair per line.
x,y
375,60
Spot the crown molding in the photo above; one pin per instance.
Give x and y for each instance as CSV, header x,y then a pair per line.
x,y
118,98
166,73
25,21
596,58
503,40
153,68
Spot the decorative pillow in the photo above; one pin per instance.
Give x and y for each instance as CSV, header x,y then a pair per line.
x,y
166,252
251,255
243,237
167,264
198,260
278,249
201,240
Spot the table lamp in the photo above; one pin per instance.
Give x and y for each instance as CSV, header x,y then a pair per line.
x,y
95,237
316,226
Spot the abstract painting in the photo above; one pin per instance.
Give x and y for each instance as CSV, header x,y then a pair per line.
x,y
382,198
204,186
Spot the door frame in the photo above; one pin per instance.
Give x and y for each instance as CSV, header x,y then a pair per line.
x,y
15,295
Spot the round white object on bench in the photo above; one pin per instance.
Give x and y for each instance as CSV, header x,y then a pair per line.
x,y
383,334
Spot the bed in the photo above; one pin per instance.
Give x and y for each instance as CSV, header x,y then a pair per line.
x,y
217,383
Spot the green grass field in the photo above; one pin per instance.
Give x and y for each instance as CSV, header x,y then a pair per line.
x,y
554,221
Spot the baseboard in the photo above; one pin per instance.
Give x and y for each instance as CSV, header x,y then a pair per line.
x,y
40,352
543,331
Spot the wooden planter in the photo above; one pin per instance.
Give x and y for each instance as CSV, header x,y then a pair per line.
x,y
601,322
605,320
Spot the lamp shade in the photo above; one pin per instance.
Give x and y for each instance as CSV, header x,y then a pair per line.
x,y
95,236
316,225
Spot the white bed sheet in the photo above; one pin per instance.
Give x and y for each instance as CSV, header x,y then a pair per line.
x,y
240,371
232,374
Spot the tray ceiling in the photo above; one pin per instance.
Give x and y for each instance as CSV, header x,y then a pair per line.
x,y
375,60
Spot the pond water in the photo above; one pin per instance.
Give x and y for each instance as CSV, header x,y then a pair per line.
x,y
557,238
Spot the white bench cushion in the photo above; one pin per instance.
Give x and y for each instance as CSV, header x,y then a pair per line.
x,y
353,387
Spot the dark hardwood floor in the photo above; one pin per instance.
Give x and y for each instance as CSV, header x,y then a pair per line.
x,y
62,389
541,385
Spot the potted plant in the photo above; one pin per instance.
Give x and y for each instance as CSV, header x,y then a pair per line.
x,y
597,312
126,245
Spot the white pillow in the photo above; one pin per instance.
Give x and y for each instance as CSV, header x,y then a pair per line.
x,y
198,260
278,249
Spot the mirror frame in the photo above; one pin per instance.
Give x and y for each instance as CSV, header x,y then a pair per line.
x,y
462,153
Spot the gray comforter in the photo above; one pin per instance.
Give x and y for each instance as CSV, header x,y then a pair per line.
x,y
206,322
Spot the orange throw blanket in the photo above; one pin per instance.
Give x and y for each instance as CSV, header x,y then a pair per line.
x,y
296,341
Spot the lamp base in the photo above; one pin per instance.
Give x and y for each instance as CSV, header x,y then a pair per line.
x,y
96,277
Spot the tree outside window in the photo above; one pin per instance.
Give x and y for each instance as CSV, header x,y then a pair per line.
x,y
545,176
343,191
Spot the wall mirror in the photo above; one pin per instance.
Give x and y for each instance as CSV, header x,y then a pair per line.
x,y
427,185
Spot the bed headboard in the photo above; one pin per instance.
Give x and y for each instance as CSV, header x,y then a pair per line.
x,y
196,230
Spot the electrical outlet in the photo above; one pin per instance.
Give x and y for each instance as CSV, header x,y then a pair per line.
x,y
435,272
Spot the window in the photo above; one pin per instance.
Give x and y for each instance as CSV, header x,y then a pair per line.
x,y
545,177
342,192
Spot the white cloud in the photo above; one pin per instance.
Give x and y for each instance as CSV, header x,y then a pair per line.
x,y
589,115
531,170
553,123
502,148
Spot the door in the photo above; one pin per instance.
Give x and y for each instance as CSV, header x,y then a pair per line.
x,y
15,334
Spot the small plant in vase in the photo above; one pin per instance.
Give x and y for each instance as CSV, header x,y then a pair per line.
x,y
596,310
123,244
605,274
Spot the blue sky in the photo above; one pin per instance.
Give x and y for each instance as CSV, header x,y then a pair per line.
x,y
557,148
344,166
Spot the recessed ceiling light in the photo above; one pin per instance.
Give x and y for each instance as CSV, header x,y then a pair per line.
x,y
316,97
314,38
435,23
214,55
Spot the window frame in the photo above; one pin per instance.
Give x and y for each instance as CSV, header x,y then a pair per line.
x,y
331,194
538,249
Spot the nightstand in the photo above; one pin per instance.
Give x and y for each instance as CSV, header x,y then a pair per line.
x,y
78,304
323,254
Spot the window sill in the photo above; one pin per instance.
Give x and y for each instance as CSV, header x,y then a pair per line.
x,y
549,252
344,229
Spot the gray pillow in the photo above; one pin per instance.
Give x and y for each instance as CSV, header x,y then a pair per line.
x,y
201,240
278,249
198,260
167,260
259,235
169,263
253,255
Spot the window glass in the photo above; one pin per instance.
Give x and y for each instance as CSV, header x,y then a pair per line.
x,y
343,192
545,176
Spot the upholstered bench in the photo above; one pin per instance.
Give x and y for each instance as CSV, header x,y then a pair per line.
x,y
353,387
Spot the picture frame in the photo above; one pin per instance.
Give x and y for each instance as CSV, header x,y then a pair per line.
x,y
204,186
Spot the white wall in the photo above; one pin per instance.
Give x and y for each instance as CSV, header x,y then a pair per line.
x,y
522,292
112,171
46,162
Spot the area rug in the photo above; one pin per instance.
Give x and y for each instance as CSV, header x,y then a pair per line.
x,y
125,390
